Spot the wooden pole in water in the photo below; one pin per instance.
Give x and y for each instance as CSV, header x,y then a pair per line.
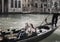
x,y
2,6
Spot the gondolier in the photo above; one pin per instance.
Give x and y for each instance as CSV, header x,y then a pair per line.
x,y
55,14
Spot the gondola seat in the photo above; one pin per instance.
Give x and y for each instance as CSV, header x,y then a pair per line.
x,y
44,27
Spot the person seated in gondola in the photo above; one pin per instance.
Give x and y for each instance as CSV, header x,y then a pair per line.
x,y
22,34
26,26
35,31
28,31
31,31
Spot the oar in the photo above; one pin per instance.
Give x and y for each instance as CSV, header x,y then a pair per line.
x,y
45,20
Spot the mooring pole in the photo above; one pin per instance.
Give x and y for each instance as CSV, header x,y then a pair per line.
x,y
2,6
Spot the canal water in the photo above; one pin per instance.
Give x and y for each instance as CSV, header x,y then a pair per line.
x,y
18,21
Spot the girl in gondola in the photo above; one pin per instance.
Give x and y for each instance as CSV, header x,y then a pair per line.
x,y
30,30
33,30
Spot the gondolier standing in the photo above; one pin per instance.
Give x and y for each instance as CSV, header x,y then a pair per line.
x,y
55,15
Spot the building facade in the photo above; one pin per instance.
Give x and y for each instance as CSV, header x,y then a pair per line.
x,y
11,6
27,5
14,5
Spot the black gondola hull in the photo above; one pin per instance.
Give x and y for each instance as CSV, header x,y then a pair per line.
x,y
38,38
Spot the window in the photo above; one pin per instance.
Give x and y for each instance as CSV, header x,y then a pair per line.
x,y
15,3
19,4
45,5
28,5
49,10
11,3
36,5
32,0
25,0
33,5
59,3
44,0
41,6
28,0
44,9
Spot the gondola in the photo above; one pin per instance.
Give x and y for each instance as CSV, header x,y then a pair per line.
x,y
45,31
